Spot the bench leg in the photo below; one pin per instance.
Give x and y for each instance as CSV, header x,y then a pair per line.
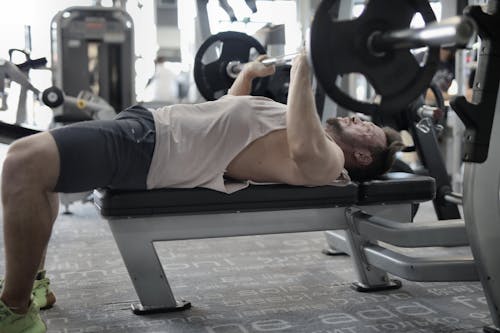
x,y
370,278
336,239
336,243
145,270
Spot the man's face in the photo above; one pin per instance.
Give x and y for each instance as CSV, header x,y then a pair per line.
x,y
355,132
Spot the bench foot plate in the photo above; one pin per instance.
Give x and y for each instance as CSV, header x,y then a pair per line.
x,y
139,309
392,284
333,252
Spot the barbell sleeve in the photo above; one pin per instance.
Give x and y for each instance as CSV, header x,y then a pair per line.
x,y
454,31
235,67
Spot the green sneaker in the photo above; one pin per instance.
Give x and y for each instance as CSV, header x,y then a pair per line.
x,y
29,322
42,295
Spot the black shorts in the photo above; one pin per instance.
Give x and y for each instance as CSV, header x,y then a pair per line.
x,y
106,153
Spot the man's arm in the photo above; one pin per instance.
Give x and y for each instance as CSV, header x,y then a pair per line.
x,y
243,83
319,160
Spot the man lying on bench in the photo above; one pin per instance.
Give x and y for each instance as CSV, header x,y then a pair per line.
x,y
247,138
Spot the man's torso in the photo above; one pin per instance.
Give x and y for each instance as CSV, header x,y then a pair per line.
x,y
198,144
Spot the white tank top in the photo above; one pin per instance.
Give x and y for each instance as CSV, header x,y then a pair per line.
x,y
196,142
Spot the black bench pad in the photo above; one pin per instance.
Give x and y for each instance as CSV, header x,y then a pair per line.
x,y
200,200
394,187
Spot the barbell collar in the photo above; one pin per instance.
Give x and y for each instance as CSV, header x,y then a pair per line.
x,y
454,31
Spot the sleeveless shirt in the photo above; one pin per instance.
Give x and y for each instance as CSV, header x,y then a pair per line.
x,y
196,142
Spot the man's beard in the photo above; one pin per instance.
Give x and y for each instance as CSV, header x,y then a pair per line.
x,y
335,126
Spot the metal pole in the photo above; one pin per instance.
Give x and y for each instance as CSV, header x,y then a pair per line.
x,y
235,67
453,31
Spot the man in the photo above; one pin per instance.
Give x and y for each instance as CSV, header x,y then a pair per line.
x,y
239,136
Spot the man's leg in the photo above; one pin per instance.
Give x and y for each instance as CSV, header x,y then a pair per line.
x,y
75,158
30,173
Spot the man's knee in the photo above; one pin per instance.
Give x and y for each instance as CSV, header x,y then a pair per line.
x,y
31,162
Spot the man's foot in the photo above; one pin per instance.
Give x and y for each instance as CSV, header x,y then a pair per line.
x,y
42,295
30,322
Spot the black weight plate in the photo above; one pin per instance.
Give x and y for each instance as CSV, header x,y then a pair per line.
x,y
339,47
211,78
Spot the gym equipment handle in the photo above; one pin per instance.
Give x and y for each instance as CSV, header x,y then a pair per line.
x,y
32,64
453,31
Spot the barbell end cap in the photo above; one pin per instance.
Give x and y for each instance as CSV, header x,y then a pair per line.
x,y
233,68
53,97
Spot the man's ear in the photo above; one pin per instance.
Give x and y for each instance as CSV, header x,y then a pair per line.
x,y
363,157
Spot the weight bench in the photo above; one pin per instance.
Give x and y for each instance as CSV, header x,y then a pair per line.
x,y
138,219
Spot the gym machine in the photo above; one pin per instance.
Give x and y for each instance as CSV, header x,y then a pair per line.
x,y
481,178
93,50
9,72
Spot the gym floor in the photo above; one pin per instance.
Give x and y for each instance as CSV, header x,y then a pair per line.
x,y
266,283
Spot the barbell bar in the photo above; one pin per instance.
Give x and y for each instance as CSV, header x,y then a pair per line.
x,y
235,67
454,31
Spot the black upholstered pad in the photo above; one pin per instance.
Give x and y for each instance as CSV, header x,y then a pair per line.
x,y
199,200
390,188
394,187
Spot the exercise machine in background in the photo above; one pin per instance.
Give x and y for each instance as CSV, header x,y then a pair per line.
x,y
93,50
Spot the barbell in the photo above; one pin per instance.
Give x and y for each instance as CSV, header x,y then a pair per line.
x,y
233,68
455,31
377,44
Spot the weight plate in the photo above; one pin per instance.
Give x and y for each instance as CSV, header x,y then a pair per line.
x,y
211,76
339,47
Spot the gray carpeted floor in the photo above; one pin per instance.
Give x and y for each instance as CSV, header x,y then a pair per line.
x,y
277,283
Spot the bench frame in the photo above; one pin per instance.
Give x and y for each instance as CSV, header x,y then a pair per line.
x,y
365,214
136,242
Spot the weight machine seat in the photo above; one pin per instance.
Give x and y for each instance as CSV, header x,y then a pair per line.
x,y
390,188
71,117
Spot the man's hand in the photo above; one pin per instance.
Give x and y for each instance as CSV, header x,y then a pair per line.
x,y
251,70
257,69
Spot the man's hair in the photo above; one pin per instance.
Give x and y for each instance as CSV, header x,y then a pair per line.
x,y
383,157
